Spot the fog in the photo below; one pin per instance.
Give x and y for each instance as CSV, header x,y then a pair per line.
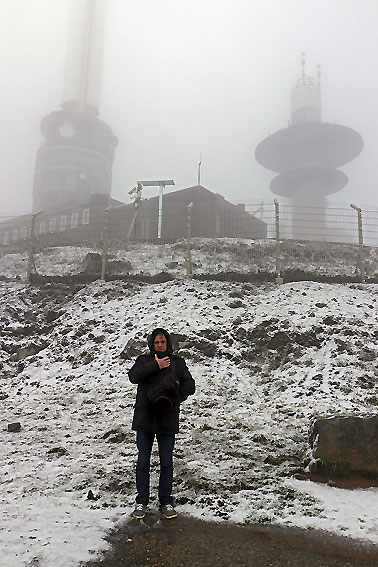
x,y
184,78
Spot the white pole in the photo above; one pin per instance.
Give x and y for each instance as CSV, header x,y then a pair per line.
x,y
160,209
161,183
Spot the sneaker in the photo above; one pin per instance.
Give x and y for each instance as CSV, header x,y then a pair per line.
x,y
168,511
139,512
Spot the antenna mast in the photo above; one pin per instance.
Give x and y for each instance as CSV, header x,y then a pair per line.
x,y
199,170
303,54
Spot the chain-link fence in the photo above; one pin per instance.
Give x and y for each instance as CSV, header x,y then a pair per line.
x,y
259,240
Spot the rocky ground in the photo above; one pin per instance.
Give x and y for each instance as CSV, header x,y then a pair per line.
x,y
267,360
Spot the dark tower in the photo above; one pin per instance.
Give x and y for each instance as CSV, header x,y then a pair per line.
x,y
306,156
75,160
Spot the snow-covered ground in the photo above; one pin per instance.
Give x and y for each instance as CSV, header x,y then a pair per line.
x,y
266,359
209,256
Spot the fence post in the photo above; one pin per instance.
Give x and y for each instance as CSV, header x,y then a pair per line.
x,y
361,258
278,279
105,233
189,240
133,222
31,263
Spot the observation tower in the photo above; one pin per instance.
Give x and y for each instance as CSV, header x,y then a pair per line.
x,y
307,155
75,160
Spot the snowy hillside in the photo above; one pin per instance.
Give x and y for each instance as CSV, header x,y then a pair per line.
x,y
266,360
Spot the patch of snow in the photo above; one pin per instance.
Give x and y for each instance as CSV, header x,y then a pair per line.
x,y
350,513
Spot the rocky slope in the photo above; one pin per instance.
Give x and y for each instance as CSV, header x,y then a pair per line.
x,y
267,359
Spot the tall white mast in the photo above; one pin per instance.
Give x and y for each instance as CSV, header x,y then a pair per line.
x,y
85,43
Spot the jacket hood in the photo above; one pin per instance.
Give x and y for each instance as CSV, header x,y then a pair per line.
x,y
151,338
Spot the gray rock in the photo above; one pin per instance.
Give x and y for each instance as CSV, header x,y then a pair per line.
x,y
178,338
14,427
58,451
279,340
52,315
345,444
24,352
119,267
205,347
134,347
115,436
210,334
91,496
172,265
237,293
92,263
236,304
208,348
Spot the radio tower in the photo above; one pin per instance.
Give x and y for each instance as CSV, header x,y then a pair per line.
x,y
76,157
306,156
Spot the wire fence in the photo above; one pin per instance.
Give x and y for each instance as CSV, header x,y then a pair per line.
x,y
259,240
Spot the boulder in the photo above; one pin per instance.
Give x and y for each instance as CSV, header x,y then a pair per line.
x,y
92,263
342,445
119,267
235,304
205,347
91,496
115,436
14,427
133,348
58,451
24,352
177,339
52,315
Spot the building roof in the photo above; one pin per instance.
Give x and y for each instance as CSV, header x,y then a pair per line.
x,y
195,194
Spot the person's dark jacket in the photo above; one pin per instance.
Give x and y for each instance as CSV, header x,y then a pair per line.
x,y
174,382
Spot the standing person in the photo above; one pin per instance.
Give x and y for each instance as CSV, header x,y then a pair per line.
x,y
164,381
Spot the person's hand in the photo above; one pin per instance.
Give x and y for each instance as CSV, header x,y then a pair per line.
x,y
163,362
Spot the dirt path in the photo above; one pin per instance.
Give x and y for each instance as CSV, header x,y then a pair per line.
x,y
186,542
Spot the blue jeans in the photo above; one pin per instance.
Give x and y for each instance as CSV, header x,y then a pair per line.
x,y
166,442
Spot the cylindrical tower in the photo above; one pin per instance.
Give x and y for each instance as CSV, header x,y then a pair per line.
x,y
76,157
75,160
306,155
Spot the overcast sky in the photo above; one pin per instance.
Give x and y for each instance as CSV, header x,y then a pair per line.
x,y
188,77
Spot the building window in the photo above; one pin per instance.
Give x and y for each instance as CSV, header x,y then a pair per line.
x,y
63,222
14,234
52,225
74,217
23,233
86,216
42,227
5,237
